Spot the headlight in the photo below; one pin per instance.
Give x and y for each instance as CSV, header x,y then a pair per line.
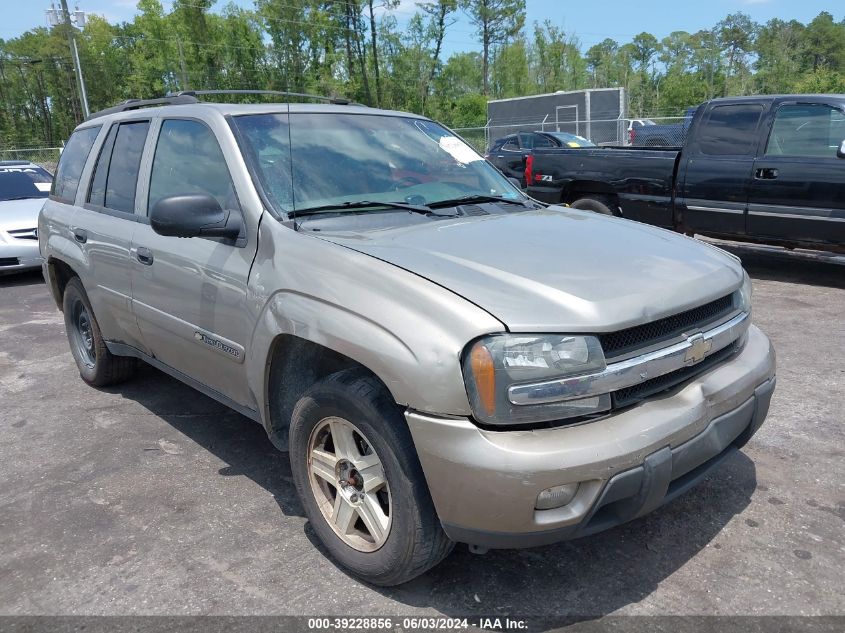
x,y
744,293
494,363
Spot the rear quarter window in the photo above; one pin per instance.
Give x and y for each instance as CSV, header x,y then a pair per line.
x,y
730,130
71,163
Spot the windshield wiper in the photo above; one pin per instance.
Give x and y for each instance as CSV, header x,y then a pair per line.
x,y
474,199
360,204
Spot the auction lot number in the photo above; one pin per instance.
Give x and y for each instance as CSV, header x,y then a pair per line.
x,y
407,624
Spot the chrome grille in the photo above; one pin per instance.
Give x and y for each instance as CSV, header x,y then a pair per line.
x,y
24,234
619,343
632,395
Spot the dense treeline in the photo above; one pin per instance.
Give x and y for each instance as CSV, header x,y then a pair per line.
x,y
357,48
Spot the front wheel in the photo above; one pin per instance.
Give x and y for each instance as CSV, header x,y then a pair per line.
x,y
360,481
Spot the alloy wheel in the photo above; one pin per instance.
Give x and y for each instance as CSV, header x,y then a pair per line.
x,y
349,484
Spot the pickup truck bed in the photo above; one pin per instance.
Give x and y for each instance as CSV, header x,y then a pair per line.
x,y
637,179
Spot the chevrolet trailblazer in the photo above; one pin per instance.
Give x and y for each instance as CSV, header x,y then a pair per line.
x,y
444,359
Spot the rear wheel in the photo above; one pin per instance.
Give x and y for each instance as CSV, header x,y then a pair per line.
x,y
597,204
360,481
97,366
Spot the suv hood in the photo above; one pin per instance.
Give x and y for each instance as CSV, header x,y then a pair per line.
x,y
557,269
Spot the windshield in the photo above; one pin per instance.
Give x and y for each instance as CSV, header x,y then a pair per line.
x,y
571,139
24,181
330,159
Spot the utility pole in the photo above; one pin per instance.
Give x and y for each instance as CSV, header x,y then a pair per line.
x,y
79,20
184,81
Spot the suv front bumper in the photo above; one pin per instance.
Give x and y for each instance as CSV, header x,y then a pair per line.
x,y
485,483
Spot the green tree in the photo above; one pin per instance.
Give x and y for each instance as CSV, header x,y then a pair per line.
x,y
497,22
779,48
824,43
736,34
557,62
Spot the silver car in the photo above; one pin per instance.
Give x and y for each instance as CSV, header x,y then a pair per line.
x,y
442,358
24,186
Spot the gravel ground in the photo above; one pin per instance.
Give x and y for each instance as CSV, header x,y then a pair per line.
x,y
150,498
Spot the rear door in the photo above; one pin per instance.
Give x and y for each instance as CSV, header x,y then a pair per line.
x,y
718,168
510,159
496,155
798,190
189,294
104,227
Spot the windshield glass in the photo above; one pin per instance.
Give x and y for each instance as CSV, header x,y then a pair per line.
x,y
326,159
578,141
24,181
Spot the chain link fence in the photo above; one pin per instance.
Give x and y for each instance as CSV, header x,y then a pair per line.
x,y
47,157
636,132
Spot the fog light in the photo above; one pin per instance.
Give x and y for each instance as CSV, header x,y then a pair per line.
x,y
556,496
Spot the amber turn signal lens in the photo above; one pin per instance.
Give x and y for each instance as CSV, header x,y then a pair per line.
x,y
484,374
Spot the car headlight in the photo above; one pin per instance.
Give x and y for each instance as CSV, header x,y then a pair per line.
x,y
494,363
744,293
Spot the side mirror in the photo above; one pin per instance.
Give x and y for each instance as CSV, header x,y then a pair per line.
x,y
515,182
840,153
194,215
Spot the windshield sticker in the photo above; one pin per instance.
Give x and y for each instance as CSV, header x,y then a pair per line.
x,y
458,150
42,186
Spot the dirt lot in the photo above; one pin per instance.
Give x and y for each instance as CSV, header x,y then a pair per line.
x,y
152,499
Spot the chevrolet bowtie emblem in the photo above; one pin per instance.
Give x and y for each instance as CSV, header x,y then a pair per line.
x,y
699,346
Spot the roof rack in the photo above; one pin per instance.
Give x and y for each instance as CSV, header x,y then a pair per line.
x,y
302,95
190,96
135,104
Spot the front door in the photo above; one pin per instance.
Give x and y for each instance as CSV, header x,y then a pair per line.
x,y
798,190
717,170
189,294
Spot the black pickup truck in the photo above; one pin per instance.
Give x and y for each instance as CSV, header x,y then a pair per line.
x,y
763,169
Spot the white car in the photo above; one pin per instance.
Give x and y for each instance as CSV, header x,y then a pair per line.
x,y
23,188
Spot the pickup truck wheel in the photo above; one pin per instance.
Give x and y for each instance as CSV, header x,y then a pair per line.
x,y
597,204
360,481
97,366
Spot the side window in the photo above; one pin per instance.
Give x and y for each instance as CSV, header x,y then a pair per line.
x,y
542,141
511,144
72,162
526,141
97,192
116,172
188,160
806,130
730,130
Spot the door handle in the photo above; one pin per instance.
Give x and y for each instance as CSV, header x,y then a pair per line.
x,y
80,235
765,173
145,256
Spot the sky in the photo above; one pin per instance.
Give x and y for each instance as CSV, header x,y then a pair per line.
x,y
591,21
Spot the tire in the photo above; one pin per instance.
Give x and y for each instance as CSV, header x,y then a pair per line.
x,y
97,366
597,204
412,540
